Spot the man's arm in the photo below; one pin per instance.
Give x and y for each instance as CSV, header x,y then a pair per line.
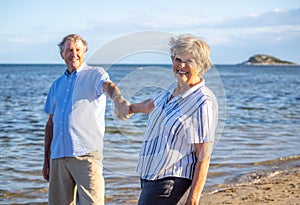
x,y
48,141
203,151
121,104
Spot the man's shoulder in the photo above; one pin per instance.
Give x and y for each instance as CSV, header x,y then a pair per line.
x,y
96,69
60,78
92,67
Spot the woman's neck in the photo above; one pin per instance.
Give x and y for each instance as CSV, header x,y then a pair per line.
x,y
183,87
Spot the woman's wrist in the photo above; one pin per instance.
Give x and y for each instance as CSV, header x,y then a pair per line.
x,y
131,109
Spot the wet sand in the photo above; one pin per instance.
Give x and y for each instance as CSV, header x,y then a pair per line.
x,y
281,188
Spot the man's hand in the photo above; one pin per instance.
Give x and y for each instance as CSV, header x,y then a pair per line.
x,y
122,108
46,171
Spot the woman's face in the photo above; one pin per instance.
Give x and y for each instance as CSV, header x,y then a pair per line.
x,y
185,70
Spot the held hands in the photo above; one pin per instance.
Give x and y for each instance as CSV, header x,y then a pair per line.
x,y
122,108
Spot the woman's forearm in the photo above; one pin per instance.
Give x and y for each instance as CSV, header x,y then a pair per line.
x,y
203,152
199,180
143,107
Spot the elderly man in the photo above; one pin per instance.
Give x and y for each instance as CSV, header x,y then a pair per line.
x,y
74,132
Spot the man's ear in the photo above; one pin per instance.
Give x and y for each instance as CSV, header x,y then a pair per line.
x,y
61,55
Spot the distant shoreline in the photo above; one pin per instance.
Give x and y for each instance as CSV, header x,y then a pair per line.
x,y
262,59
262,65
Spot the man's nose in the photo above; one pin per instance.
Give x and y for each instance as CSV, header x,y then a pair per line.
x,y
73,51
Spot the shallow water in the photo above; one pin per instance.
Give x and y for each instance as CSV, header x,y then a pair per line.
x,y
261,130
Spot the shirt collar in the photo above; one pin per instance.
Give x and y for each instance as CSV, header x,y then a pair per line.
x,y
76,71
192,89
81,67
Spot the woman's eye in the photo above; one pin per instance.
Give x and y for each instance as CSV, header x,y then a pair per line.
x,y
177,59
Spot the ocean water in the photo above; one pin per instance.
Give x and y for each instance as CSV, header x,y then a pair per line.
x,y
259,132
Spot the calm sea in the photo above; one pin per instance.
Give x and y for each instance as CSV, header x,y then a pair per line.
x,y
258,133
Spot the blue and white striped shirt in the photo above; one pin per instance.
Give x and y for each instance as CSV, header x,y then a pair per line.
x,y
172,130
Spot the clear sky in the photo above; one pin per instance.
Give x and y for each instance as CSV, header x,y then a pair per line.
x,y
235,29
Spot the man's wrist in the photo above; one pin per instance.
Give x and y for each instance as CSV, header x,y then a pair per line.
x,y
117,97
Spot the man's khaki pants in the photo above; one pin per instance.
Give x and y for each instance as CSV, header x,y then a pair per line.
x,y
76,180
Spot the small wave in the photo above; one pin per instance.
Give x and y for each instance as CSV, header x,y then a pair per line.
x,y
250,108
278,161
257,176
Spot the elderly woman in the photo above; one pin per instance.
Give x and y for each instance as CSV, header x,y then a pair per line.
x,y
175,153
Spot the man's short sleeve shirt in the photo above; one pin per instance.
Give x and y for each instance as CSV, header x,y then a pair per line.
x,y
77,103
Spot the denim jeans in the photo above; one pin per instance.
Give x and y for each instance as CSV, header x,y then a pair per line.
x,y
166,191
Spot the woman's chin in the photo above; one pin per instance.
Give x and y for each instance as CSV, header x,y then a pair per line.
x,y
181,78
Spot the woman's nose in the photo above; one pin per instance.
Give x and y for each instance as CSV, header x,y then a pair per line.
x,y
182,64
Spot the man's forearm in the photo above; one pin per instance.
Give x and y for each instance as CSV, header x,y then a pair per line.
x,y
48,140
112,90
47,151
121,104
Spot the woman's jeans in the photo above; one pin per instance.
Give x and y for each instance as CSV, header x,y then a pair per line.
x,y
169,190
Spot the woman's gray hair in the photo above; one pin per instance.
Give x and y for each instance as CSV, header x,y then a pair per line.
x,y
73,38
187,43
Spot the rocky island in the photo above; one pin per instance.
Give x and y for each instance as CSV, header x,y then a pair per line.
x,y
262,59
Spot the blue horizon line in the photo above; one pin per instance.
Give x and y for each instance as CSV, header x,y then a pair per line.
x,y
135,64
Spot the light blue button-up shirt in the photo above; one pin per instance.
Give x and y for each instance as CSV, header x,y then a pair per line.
x,y
77,103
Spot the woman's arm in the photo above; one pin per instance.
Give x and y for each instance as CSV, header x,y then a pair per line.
x,y
203,152
143,107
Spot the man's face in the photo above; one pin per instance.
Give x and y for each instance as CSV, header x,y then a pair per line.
x,y
73,54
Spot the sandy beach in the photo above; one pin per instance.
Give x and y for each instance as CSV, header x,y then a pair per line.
x,y
280,188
